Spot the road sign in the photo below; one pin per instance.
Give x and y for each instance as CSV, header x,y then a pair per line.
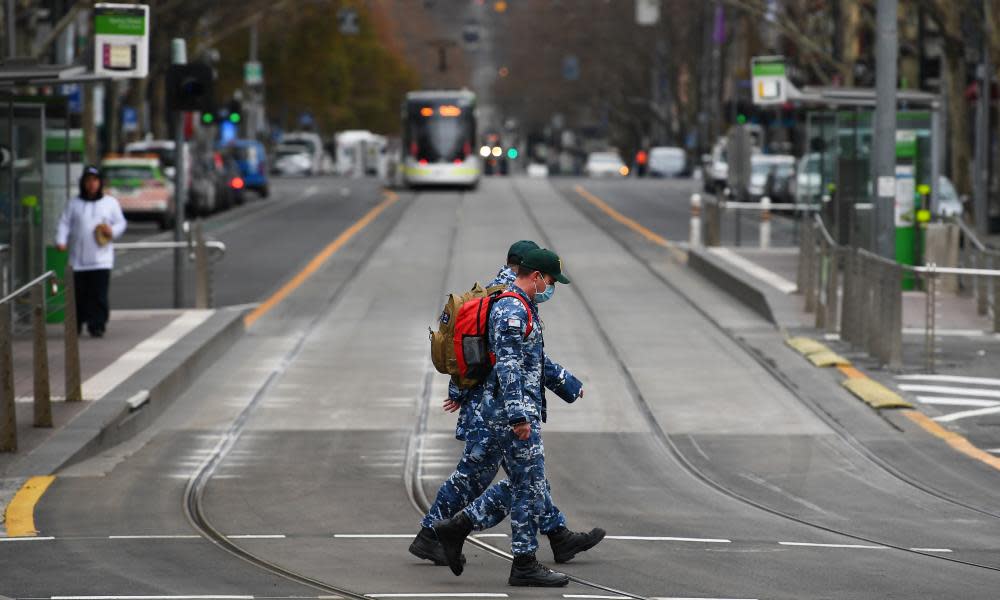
x,y
647,12
121,40
130,119
347,19
770,81
253,73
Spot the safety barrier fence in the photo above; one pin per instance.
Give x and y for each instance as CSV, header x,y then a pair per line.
x,y
202,252
708,215
860,294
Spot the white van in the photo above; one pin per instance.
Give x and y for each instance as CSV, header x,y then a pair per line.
x,y
312,145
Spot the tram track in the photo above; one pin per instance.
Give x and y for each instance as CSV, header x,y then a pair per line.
x,y
194,508
668,445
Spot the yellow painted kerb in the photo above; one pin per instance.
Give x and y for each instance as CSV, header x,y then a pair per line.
x,y
20,516
955,440
632,224
318,260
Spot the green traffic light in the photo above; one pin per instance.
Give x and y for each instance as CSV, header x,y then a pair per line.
x,y
207,118
741,119
235,118
512,153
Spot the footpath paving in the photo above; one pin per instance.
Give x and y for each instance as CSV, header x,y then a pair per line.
x,y
961,397
150,355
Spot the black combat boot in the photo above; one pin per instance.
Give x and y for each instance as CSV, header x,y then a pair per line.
x,y
526,571
566,544
426,546
451,534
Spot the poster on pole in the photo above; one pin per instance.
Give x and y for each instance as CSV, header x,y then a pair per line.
x,y
770,80
121,40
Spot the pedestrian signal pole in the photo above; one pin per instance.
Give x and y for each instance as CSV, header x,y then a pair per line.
x,y
884,155
179,55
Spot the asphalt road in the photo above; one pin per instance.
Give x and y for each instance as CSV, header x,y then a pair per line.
x,y
315,442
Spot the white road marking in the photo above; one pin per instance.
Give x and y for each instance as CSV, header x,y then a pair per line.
x,y
946,332
595,597
810,544
930,549
943,389
154,537
675,598
489,535
27,539
439,595
964,414
950,379
374,535
649,538
258,536
152,598
769,277
994,450
956,401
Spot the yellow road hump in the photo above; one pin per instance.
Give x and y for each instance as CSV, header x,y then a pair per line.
x,y
828,358
875,394
21,510
806,346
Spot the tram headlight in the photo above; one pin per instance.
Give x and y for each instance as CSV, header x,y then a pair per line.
x,y
497,151
484,151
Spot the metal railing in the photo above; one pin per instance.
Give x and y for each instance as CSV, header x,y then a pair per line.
x,y
204,253
870,316
40,361
709,228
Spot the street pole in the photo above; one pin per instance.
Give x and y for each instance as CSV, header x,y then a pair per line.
x,y
884,154
11,30
981,160
253,124
179,55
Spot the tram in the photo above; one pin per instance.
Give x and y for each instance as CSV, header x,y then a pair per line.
x,y
439,135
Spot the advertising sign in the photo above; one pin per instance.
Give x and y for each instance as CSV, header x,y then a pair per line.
x,y
121,40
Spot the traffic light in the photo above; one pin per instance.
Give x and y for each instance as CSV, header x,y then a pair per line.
x,y
512,153
190,87
235,112
208,118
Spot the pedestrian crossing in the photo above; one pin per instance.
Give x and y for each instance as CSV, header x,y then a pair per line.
x,y
959,397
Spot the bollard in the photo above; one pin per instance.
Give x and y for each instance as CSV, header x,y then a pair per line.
x,y
809,257
714,237
695,233
71,339
982,262
765,222
930,308
43,397
996,295
821,273
201,295
894,352
847,307
8,419
832,265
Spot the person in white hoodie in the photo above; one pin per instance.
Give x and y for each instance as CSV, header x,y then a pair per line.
x,y
87,227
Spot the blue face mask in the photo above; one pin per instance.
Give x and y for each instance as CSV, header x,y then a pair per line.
x,y
550,290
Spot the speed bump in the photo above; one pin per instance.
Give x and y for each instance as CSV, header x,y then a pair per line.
x,y
817,353
874,393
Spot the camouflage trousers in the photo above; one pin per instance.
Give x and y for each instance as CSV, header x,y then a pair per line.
x,y
488,505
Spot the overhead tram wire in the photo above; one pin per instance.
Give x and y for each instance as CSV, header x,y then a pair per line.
x,y
195,489
414,456
660,435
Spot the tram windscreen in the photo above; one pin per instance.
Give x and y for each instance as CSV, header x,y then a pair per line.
x,y
440,131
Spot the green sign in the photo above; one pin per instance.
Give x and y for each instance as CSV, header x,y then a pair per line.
x,y
120,24
768,69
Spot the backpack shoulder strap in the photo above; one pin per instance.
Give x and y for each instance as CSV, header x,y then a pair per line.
x,y
527,309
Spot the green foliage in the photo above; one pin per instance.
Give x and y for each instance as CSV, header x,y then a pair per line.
x,y
345,82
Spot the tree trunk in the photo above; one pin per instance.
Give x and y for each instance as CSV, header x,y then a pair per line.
x,y
959,141
88,124
850,45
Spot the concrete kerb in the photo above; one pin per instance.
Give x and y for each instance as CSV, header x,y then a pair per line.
x,y
737,285
110,420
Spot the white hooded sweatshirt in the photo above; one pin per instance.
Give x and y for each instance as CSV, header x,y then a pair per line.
x,y
76,231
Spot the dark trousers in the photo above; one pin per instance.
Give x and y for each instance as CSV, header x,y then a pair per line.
x,y
92,306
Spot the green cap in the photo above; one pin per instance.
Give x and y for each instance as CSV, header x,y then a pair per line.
x,y
545,261
518,250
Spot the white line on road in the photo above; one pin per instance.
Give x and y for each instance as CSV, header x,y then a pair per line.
x,y
650,538
154,537
943,389
257,536
964,414
594,597
675,598
810,544
930,549
956,401
950,379
374,535
440,595
27,539
152,598
489,535
769,277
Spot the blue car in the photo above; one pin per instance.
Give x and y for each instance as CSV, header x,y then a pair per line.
x,y
251,158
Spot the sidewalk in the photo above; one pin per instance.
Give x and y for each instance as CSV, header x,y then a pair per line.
x,y
963,392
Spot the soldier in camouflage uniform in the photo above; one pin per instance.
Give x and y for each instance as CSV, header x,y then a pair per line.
x,y
483,457
513,408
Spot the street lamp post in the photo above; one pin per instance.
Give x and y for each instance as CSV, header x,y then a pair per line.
x,y
884,152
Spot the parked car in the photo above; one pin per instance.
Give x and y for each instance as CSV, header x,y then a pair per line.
x,y
772,175
605,164
141,187
251,159
228,181
292,160
312,146
949,202
667,161
200,189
